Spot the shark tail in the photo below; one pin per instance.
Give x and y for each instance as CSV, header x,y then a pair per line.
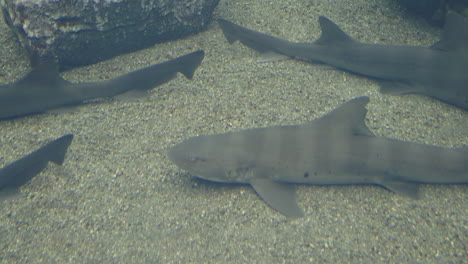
x,y
190,62
56,149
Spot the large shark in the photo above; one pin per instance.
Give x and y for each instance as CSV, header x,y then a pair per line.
x,y
337,148
21,171
43,88
440,71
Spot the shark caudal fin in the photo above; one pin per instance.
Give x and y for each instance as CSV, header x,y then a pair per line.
x,y
55,150
331,33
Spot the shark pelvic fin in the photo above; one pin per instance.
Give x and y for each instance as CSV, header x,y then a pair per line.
x,y
408,189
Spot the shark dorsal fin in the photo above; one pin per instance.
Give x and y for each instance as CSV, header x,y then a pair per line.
x,y
455,34
43,75
331,33
40,78
348,117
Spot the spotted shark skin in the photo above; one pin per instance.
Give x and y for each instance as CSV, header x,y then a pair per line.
x,y
337,148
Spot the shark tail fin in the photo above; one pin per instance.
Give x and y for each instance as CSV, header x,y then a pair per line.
x,y
331,33
191,62
56,149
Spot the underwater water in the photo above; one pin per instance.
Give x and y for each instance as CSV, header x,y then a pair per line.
x,y
119,199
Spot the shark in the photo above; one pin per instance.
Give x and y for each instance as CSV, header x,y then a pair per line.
x,y
43,88
439,71
23,170
336,149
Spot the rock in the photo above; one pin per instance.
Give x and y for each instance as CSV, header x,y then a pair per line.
x,y
81,32
434,11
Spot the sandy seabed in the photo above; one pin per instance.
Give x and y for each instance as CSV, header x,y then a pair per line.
x,y
118,199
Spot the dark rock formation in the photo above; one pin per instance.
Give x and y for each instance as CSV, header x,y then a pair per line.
x,y
434,10
79,32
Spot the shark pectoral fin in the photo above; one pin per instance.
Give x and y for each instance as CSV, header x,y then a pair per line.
x,y
320,66
63,109
280,196
398,88
10,193
408,189
271,56
132,95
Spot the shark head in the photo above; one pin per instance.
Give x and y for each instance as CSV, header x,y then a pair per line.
x,y
198,156
219,158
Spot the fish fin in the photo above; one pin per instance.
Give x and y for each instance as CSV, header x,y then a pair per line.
x,y
228,29
331,33
44,74
408,189
256,40
314,66
132,95
399,88
271,56
348,117
10,193
56,149
190,62
280,196
63,109
455,34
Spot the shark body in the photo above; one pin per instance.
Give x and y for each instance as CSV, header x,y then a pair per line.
x,y
21,171
337,148
440,71
43,88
